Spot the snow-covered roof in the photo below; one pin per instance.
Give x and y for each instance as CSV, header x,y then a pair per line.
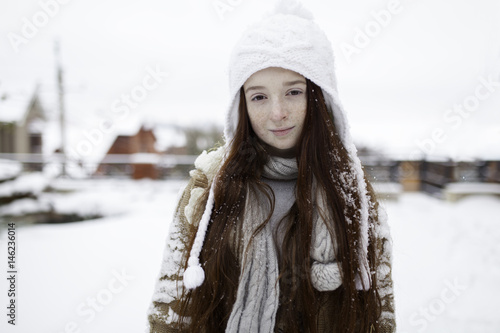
x,y
15,99
13,109
168,136
128,128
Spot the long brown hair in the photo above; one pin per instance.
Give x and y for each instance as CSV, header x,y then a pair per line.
x,y
320,156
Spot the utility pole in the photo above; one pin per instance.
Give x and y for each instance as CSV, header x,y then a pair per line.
x,y
62,121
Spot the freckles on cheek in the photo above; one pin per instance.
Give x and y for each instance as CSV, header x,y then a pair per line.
x,y
257,119
297,108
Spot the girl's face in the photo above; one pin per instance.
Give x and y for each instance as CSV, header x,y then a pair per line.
x,y
276,102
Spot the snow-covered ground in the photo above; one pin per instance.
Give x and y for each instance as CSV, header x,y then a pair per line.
x,y
97,276
9,169
446,263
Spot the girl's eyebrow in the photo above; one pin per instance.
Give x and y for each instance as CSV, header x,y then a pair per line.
x,y
254,88
289,83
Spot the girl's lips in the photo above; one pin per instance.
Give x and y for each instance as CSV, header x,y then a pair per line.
x,y
281,132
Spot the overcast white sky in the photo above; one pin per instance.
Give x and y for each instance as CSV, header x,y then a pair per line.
x,y
396,90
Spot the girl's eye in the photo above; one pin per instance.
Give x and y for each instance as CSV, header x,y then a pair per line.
x,y
295,92
257,98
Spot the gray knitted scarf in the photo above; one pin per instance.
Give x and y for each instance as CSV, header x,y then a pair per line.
x,y
257,298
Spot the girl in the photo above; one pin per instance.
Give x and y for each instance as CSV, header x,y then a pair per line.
x,y
278,230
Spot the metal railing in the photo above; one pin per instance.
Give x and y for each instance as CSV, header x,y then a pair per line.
x,y
433,175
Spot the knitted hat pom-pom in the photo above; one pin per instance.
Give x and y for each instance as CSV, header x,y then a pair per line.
x,y
292,7
193,277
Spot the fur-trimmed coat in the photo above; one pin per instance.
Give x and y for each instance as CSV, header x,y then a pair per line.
x,y
163,311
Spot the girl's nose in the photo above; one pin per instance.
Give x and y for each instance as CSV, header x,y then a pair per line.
x,y
278,111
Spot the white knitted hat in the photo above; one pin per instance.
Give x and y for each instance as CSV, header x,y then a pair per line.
x,y
287,38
